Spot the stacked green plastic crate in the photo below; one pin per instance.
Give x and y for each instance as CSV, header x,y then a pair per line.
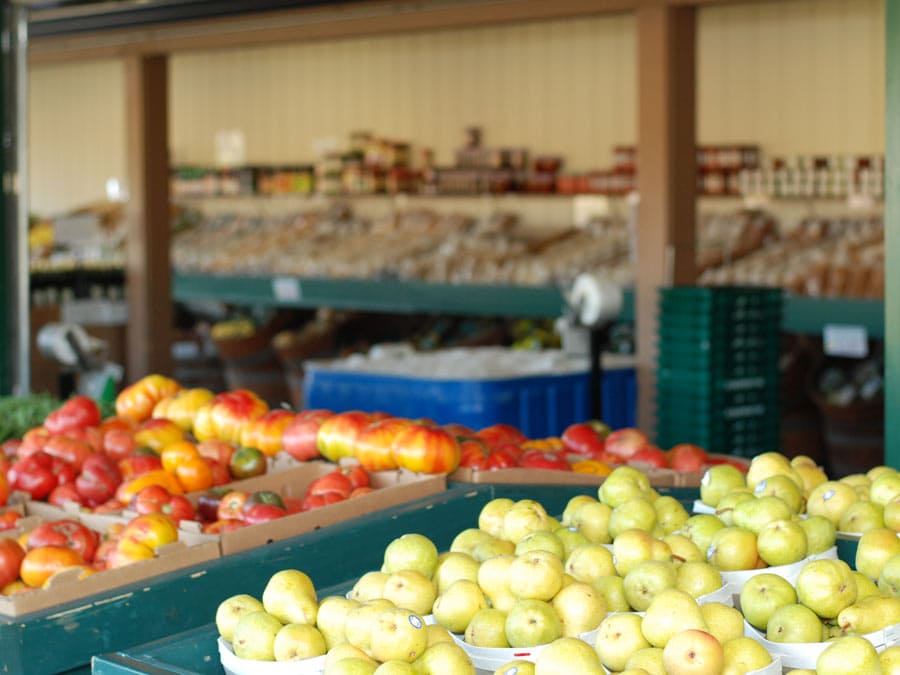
x,y
717,374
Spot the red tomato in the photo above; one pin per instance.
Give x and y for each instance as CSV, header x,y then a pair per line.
x,y
11,555
32,442
360,491
66,533
335,481
119,443
98,479
220,473
150,499
9,520
262,513
179,508
231,506
459,430
321,499
426,450
220,451
69,450
357,475
501,459
76,413
62,494
473,453
650,454
295,505
687,457
625,442
91,436
500,434
583,439
537,459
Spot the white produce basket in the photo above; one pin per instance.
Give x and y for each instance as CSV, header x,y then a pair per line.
x,y
236,666
491,658
805,654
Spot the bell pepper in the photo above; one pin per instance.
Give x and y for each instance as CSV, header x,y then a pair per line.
x,y
139,464
262,513
66,533
136,402
265,432
231,506
126,491
78,412
98,479
181,408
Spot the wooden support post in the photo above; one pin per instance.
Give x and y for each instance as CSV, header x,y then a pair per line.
x,y
892,236
148,273
666,175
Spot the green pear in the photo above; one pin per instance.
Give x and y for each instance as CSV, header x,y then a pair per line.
x,y
568,655
670,514
359,622
830,499
370,586
491,517
290,597
826,587
725,623
849,656
701,528
452,566
869,615
536,575
744,655
345,651
794,623
254,636
889,580
767,464
297,641
542,541
718,481
820,534
861,517
874,549
468,539
332,617
865,587
762,594
411,589
532,622
624,483
619,637
648,660
397,634
572,506
444,657
783,487
455,607
645,580
580,607
683,549
890,660
526,516
612,588
885,488
351,666
756,514
634,546
395,667
670,612
231,610
411,551
437,633
634,514
487,629
725,508
592,520
589,562
698,578
782,542
571,539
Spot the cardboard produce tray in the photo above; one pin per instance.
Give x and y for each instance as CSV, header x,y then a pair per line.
x,y
392,488
190,549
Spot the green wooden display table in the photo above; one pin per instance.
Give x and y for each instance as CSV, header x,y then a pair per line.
x,y
332,565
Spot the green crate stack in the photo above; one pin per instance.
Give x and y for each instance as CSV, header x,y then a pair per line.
x,y
717,372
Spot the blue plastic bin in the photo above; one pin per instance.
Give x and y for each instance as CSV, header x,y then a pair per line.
x,y
540,406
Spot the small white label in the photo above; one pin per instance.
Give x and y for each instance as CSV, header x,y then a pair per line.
x,y
828,495
759,487
415,621
286,289
845,340
230,148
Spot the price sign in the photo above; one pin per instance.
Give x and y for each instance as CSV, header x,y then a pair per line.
x,y
843,340
286,289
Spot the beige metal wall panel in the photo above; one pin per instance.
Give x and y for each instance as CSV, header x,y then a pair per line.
x,y
564,87
796,76
76,133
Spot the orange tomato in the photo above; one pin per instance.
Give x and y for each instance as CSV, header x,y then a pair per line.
x,y
423,449
15,587
183,406
177,453
128,551
41,563
264,433
136,402
195,474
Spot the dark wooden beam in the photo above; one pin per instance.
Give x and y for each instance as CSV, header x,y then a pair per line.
x,y
666,174
148,272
